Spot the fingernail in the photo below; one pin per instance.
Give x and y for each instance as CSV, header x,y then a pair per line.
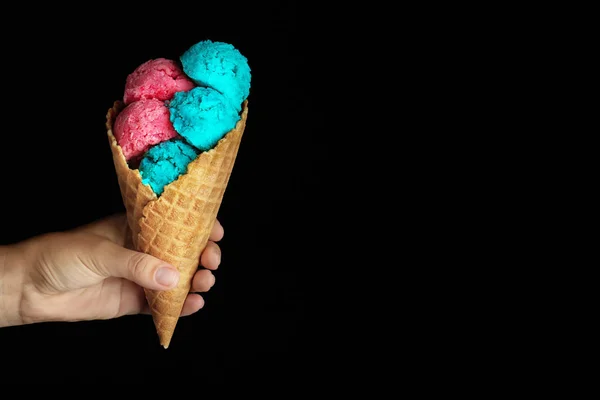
x,y
212,280
166,276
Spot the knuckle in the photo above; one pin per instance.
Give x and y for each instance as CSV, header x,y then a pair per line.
x,y
214,247
137,264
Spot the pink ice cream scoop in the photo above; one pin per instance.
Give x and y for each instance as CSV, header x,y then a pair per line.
x,y
141,125
156,79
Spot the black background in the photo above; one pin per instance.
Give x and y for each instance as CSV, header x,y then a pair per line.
x,y
61,79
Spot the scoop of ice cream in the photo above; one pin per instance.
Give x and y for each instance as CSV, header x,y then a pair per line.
x,y
142,124
219,66
202,116
156,79
165,162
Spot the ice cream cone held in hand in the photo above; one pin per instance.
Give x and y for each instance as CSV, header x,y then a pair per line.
x,y
174,139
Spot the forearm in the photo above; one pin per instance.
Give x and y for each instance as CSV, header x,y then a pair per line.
x,y
12,275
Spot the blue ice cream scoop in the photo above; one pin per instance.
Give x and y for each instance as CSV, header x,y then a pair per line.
x,y
165,162
220,66
202,116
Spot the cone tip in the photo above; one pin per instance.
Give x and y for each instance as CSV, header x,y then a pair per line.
x,y
164,342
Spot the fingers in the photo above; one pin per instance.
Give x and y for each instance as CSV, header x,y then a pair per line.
x,y
203,280
111,260
193,304
217,232
132,299
211,256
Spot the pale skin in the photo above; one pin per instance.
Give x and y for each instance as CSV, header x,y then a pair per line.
x,y
88,273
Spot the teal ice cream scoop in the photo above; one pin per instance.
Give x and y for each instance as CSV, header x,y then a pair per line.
x,y
202,116
220,66
165,162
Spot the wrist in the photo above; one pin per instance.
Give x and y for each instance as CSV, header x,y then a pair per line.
x,y
12,277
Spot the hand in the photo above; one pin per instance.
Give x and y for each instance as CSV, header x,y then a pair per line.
x,y
88,273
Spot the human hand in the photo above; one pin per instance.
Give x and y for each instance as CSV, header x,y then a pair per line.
x,y
88,273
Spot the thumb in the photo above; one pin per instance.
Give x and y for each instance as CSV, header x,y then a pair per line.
x,y
143,269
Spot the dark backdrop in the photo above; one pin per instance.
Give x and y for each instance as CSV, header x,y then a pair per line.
x,y
58,174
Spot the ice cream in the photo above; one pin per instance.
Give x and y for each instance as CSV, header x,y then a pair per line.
x,y
202,116
163,100
141,125
186,130
220,66
156,79
165,162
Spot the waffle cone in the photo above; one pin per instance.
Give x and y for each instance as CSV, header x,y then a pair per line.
x,y
175,226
